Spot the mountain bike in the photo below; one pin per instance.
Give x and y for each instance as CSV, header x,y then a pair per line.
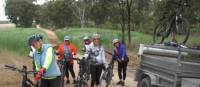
x,y
81,80
63,71
106,77
176,25
25,82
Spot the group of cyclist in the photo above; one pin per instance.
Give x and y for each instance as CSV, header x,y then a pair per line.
x,y
48,71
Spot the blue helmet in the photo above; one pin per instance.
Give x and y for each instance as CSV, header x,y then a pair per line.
x,y
66,38
34,38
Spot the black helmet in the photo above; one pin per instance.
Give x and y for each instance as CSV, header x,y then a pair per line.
x,y
34,38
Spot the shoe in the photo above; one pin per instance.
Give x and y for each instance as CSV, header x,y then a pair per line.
x,y
67,81
74,82
119,83
123,83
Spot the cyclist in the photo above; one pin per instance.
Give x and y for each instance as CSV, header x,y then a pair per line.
x,y
86,48
97,55
67,50
32,50
121,57
45,63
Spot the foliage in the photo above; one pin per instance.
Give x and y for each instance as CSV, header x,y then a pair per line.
x,y
20,12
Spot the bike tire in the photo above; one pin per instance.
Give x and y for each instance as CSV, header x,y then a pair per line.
x,y
62,79
103,82
82,83
159,32
184,30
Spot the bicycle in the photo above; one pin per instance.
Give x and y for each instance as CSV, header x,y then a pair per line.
x,y
107,76
26,82
81,80
175,24
63,71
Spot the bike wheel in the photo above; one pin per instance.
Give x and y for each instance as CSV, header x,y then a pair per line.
x,y
182,31
82,83
62,80
160,32
105,80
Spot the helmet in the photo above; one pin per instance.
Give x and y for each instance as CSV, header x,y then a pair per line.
x,y
115,41
95,35
40,36
34,38
66,38
85,38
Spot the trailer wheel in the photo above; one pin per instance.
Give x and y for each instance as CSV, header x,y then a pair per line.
x,y
145,82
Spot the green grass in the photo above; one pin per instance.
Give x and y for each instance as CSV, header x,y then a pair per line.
x,y
106,36
16,39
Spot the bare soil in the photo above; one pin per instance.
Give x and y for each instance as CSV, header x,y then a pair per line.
x,y
10,25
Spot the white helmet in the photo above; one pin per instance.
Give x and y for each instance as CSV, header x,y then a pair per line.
x,y
86,38
115,41
95,35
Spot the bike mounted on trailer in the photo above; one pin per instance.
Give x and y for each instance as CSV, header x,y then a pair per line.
x,y
25,82
175,24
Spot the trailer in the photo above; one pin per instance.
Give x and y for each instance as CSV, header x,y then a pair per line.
x,y
167,66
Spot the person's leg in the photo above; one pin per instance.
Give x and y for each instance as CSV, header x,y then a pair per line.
x,y
93,73
120,70
67,72
54,82
71,69
98,74
44,83
124,72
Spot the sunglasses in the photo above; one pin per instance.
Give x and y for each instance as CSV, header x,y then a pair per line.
x,y
96,39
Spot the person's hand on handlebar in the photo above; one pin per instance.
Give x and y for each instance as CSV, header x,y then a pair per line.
x,y
39,74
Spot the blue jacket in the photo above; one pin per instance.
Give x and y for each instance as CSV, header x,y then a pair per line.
x,y
120,53
46,59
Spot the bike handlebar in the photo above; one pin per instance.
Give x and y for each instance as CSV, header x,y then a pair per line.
x,y
23,70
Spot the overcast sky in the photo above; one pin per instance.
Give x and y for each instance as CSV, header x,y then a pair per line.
x,y
2,13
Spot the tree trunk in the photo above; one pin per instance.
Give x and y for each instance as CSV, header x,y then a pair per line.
x,y
128,7
123,22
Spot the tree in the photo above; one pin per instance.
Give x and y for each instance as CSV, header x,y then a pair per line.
x,y
128,8
56,13
123,18
80,9
20,12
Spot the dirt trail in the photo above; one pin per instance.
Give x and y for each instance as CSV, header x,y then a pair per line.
x,y
53,39
11,78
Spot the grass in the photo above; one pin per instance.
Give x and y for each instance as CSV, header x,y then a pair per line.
x,y
16,39
106,36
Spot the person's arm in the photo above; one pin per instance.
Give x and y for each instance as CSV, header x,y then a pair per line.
x,y
123,50
103,56
73,49
59,52
48,58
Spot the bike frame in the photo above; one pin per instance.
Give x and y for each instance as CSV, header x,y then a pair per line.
x,y
26,82
80,78
174,19
63,71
